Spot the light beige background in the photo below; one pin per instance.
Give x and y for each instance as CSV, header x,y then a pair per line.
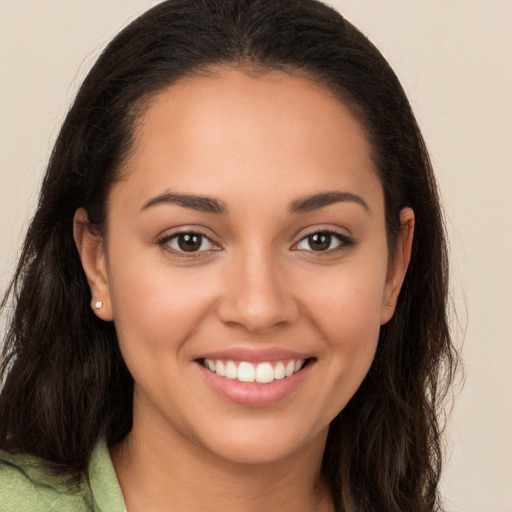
x,y
454,58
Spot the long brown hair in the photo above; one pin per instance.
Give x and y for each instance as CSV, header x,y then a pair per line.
x,y
64,381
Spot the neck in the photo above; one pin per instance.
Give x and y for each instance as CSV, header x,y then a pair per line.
x,y
158,472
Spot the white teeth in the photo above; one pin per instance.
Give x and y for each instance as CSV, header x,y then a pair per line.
x,y
262,373
231,370
279,371
219,368
246,372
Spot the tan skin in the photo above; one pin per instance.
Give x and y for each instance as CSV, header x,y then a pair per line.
x,y
265,273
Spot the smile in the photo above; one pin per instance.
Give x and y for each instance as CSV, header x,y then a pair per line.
x,y
261,373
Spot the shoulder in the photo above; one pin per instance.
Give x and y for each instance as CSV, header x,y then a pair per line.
x,y
27,484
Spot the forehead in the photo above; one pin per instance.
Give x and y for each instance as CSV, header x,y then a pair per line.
x,y
229,130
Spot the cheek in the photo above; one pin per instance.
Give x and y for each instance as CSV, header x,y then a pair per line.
x,y
348,303
346,309
351,329
155,305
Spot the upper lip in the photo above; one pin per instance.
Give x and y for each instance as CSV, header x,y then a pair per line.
x,y
255,355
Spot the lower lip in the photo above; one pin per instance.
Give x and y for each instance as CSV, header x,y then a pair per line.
x,y
252,394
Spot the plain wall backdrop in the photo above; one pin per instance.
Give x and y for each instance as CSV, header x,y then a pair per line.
x,y
454,59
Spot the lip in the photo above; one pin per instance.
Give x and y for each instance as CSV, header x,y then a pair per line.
x,y
255,355
253,394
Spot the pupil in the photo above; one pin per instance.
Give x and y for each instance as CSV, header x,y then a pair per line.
x,y
320,241
189,243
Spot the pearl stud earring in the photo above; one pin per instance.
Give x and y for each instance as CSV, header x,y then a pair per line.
x,y
97,305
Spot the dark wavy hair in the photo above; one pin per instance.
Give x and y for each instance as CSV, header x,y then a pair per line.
x,y
64,381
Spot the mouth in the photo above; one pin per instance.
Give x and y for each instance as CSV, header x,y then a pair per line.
x,y
264,372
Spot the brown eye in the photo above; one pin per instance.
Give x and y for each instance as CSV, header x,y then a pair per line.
x,y
322,241
188,242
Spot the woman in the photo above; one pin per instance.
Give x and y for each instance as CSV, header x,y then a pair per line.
x,y
233,291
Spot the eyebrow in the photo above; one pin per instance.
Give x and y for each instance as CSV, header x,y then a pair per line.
x,y
211,205
199,203
318,201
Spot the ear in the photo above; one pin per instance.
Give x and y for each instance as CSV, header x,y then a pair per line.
x,y
398,264
92,254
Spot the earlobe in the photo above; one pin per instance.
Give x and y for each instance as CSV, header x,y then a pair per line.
x,y
92,255
398,265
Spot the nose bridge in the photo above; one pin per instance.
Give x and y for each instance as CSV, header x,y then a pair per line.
x,y
256,295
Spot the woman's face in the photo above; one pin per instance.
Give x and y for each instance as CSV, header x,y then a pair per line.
x,y
246,264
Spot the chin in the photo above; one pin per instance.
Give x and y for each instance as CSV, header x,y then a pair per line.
x,y
263,442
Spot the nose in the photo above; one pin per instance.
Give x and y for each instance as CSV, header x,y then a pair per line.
x,y
256,296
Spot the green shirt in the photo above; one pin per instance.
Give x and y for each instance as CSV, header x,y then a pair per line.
x,y
26,484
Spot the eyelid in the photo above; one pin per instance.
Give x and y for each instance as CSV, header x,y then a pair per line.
x,y
344,239
163,242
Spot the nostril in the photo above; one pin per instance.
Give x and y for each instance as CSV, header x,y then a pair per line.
x,y
257,313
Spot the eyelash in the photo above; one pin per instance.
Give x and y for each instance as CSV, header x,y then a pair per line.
x,y
165,241
344,242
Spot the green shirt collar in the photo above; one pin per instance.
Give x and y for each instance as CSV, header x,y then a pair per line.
x,y
106,493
